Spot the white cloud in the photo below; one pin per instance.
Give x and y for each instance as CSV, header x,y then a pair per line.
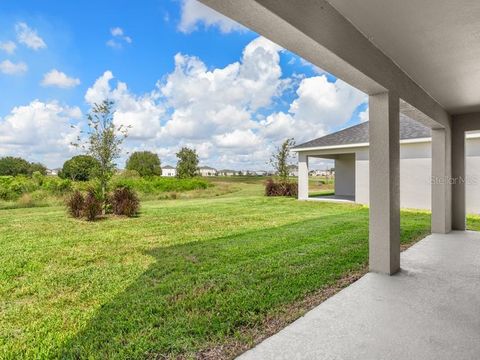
x,y
320,107
194,13
238,139
278,126
100,89
208,102
10,68
29,37
116,31
114,44
142,113
363,116
8,46
42,130
119,38
59,79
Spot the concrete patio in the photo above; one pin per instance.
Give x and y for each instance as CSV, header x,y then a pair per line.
x,y
333,198
429,310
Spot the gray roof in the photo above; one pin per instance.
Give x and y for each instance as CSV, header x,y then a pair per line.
x,y
167,167
409,129
206,168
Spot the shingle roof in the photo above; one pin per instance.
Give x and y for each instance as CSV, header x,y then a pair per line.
x,y
206,168
358,134
167,167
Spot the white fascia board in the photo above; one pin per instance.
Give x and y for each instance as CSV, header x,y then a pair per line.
x,y
348,146
360,145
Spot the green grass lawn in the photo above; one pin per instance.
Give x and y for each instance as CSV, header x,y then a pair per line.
x,y
184,278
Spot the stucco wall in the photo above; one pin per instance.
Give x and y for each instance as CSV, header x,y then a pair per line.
x,y
415,176
472,176
361,175
345,175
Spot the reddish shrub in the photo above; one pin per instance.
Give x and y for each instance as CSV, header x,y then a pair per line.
x,y
125,201
75,204
281,188
92,207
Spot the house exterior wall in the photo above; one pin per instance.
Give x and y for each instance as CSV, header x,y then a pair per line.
x,y
207,172
472,176
361,177
227,173
415,175
169,172
345,175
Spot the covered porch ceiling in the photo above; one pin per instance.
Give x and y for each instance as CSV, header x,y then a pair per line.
x,y
426,51
435,42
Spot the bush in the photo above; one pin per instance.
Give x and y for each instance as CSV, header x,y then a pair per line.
x,y
75,204
156,184
281,188
92,207
79,168
124,201
129,174
145,163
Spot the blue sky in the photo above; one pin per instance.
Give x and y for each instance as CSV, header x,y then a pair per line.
x,y
180,74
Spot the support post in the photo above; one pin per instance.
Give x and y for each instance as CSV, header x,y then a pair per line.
x,y
458,178
302,176
441,181
384,227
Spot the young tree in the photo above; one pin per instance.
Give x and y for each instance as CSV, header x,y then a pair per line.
x,y
79,168
187,165
145,163
104,142
280,160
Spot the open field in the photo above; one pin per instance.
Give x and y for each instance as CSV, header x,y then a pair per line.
x,y
320,185
42,191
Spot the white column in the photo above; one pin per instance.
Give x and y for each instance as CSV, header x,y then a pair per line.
x,y
302,176
441,176
384,228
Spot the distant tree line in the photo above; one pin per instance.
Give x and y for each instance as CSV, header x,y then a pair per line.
x,y
87,167
14,166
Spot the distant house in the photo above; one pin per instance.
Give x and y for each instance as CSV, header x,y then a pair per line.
x,y
169,171
53,172
207,171
226,172
317,172
293,170
260,172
